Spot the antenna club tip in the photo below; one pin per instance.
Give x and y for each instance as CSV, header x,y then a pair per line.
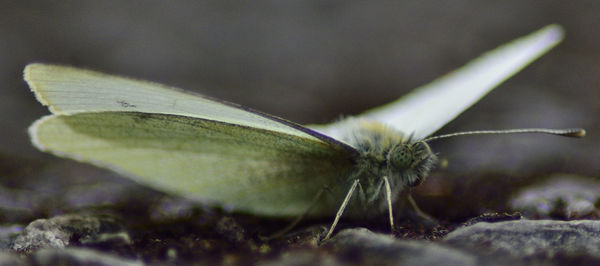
x,y
578,133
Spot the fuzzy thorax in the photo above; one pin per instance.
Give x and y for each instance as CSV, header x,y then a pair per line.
x,y
385,152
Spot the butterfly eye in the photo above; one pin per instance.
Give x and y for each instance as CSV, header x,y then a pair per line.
x,y
412,161
401,157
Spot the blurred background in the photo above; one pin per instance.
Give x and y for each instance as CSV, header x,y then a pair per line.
x,y
312,61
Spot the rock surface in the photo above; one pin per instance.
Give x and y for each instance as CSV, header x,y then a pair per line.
x,y
80,240
562,196
80,256
67,230
135,226
543,241
381,249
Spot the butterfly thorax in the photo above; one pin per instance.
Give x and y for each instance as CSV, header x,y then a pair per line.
x,y
385,152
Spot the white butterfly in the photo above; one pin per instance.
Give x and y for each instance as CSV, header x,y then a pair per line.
x,y
253,162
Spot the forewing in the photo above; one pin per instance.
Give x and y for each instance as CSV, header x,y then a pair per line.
x,y
248,169
67,90
428,108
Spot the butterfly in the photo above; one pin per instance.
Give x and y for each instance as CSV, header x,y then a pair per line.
x,y
248,161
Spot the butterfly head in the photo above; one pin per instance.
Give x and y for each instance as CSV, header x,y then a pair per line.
x,y
412,160
387,152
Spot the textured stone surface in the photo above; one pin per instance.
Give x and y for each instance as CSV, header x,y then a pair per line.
x,y
361,246
80,256
7,258
544,240
65,230
562,196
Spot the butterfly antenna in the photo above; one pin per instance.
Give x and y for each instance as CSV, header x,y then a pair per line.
x,y
569,132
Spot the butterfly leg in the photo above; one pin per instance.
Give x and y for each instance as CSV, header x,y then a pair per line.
x,y
419,212
388,193
299,218
338,215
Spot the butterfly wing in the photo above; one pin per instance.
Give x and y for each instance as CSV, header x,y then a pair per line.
x,y
68,90
187,144
244,168
428,108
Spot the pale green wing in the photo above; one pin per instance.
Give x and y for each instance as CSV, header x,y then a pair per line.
x,y
248,169
430,107
67,90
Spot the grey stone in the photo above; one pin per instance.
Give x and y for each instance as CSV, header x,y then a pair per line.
x,y
304,257
60,231
79,256
365,247
541,241
562,196
7,258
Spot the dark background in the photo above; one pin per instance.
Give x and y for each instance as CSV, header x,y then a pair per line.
x,y
310,61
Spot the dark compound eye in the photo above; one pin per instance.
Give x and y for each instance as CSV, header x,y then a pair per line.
x,y
401,157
